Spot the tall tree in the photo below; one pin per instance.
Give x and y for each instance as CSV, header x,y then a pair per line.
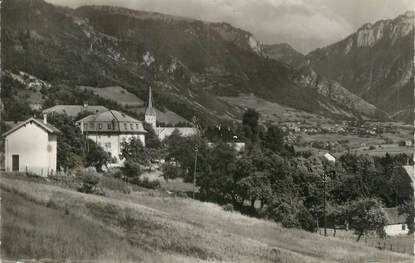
x,y
366,215
133,151
274,139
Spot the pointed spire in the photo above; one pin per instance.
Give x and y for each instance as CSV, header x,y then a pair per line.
x,y
149,110
150,102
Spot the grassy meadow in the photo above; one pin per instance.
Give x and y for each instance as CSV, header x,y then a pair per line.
x,y
42,220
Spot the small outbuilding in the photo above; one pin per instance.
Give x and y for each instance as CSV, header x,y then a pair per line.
x,y
31,146
396,222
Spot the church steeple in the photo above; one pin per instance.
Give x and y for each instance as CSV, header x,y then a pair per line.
x,y
150,114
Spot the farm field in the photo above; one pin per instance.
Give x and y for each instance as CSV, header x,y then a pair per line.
x,y
118,94
132,102
270,111
383,149
154,226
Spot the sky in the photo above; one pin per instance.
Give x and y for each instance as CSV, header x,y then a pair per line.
x,y
304,24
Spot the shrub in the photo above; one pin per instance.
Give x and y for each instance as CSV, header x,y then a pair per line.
x,y
228,207
113,183
90,183
146,183
182,194
306,220
290,214
131,169
170,171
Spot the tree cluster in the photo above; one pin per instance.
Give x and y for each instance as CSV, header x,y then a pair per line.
x,y
270,180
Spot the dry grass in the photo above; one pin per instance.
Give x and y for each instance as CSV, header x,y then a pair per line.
x,y
401,243
166,229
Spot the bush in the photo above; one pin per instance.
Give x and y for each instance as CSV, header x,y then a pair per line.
x,y
145,182
228,207
110,182
306,220
170,171
182,194
290,214
90,183
131,169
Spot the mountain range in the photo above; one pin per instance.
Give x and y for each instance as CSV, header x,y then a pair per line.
x,y
375,63
191,65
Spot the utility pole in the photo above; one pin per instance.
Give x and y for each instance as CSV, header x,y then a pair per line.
x,y
331,159
195,126
194,172
324,204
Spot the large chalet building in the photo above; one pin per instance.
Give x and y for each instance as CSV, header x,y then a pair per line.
x,y
109,129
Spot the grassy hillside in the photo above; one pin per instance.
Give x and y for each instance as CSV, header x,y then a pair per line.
x,y
152,226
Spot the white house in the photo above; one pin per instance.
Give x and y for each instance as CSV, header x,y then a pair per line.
x,y
31,146
109,129
396,222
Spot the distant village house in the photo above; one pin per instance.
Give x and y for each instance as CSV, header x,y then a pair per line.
x,y
396,223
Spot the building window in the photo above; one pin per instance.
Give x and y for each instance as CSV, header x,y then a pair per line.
x,y
91,125
403,227
109,126
125,126
136,125
131,126
100,126
85,126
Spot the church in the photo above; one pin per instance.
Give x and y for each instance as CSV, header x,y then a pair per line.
x,y
150,117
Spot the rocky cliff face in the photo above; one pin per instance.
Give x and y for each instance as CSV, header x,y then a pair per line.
x,y
334,91
189,63
375,63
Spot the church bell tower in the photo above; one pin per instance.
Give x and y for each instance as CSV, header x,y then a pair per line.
x,y
150,114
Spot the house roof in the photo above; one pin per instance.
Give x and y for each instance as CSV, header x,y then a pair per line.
x,y
47,127
74,110
111,121
410,171
394,217
163,132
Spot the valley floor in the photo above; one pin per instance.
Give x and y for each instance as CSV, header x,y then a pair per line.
x,y
43,221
